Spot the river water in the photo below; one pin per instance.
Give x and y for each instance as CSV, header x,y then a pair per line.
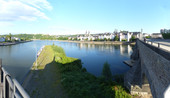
x,y
18,59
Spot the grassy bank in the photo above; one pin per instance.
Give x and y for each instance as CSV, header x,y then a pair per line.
x,y
62,76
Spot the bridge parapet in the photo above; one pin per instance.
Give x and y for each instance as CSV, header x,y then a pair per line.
x,y
152,65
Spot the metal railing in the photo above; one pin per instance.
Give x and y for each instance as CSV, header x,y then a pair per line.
x,y
10,88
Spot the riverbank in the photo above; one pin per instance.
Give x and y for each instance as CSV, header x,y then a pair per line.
x,y
12,43
43,79
100,42
57,75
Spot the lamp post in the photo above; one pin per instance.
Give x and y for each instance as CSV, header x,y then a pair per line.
x,y
36,58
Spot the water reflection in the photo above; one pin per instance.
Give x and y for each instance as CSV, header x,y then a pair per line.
x,y
125,50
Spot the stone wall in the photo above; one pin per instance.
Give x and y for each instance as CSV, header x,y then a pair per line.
x,y
153,63
156,68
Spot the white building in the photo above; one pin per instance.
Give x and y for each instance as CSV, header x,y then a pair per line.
x,y
90,37
15,38
107,36
125,36
145,34
2,39
156,35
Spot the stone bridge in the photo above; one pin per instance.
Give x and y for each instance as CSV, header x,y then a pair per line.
x,y
150,74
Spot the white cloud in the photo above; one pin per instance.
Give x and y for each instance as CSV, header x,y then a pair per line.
x,y
41,4
12,10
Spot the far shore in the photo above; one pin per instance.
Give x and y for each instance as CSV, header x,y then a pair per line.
x,y
100,42
12,43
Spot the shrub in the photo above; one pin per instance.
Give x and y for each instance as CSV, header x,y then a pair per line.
x,y
106,71
116,38
133,39
124,40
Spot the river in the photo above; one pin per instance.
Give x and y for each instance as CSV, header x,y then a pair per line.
x,y
18,59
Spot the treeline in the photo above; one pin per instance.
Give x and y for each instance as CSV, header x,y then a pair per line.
x,y
62,38
35,36
166,35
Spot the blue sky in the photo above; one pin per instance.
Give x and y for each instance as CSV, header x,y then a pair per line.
x,y
76,16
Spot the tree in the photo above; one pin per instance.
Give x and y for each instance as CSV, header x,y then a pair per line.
x,y
109,39
75,38
10,36
91,39
106,71
132,38
115,31
148,36
116,38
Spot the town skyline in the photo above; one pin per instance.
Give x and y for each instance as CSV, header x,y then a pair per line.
x,y
75,17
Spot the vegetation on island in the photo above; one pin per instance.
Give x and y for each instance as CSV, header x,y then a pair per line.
x,y
75,80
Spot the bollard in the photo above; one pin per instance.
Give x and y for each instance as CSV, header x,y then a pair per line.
x,y
158,45
151,43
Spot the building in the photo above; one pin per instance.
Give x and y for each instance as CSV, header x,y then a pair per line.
x,y
2,39
108,36
100,36
125,36
136,34
145,35
15,38
156,35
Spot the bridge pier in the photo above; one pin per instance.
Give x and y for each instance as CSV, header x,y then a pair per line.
x,y
135,79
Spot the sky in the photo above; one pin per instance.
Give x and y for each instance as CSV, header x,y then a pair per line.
x,y
59,17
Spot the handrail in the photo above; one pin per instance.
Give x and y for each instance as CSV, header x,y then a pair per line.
x,y
20,89
11,87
